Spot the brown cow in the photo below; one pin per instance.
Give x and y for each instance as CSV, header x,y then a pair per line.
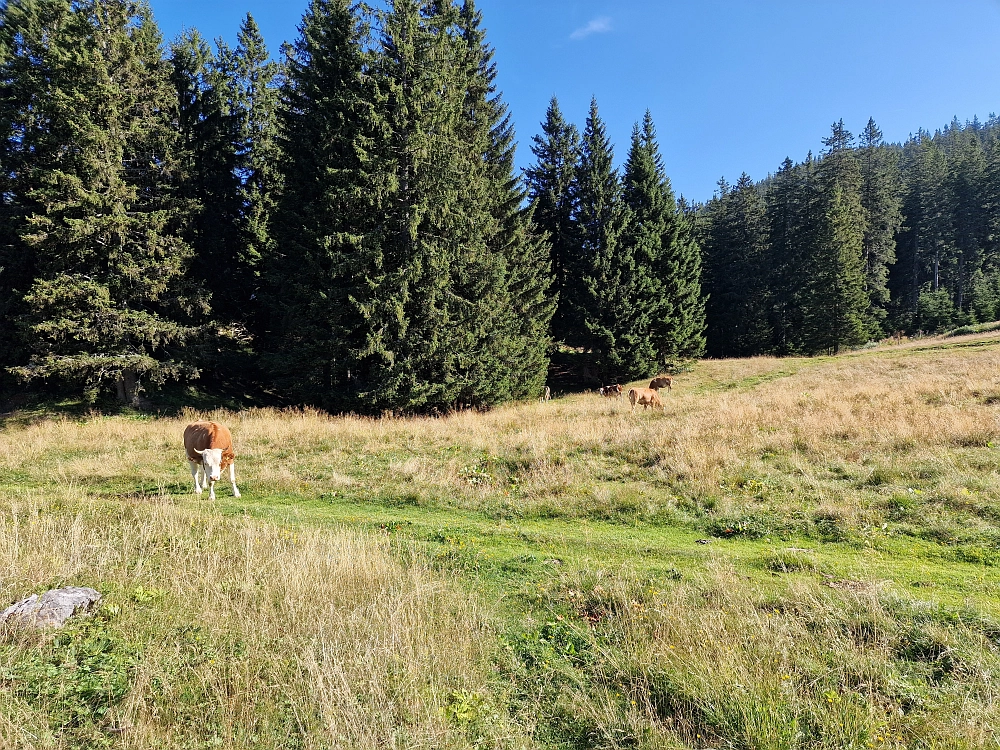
x,y
645,397
612,391
663,381
209,448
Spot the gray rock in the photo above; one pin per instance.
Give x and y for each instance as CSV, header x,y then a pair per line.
x,y
51,609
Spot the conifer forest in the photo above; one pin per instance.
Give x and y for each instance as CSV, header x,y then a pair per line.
x,y
345,227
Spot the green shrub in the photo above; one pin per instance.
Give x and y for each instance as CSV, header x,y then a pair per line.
x,y
75,678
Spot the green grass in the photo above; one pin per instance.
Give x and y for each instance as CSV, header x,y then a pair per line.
x,y
787,558
975,328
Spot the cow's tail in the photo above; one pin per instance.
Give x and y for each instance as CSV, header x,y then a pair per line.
x,y
632,397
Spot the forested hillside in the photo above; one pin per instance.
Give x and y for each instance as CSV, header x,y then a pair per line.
x,y
345,227
865,240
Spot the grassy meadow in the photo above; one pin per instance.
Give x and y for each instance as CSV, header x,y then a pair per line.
x,y
794,553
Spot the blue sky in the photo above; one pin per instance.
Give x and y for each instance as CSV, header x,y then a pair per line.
x,y
733,85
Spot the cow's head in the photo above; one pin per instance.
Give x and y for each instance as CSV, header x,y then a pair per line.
x,y
211,459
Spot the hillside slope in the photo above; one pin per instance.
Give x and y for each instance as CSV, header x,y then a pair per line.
x,y
795,553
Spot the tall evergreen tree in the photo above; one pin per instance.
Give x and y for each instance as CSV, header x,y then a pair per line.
x,y
738,272
606,267
253,84
924,241
316,291
986,285
659,237
881,203
33,37
786,215
991,201
965,196
681,335
209,131
836,304
109,301
409,275
646,192
460,299
228,120
550,188
415,350
513,308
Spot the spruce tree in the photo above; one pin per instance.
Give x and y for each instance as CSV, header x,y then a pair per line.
x,y
33,37
787,213
208,129
415,351
459,303
109,302
965,196
606,306
512,304
881,203
253,84
835,305
987,298
408,275
550,181
681,335
646,194
737,256
228,120
923,247
314,302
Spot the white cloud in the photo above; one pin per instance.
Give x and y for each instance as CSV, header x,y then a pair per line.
x,y
597,26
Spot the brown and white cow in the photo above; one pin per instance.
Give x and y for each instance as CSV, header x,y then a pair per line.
x,y
209,448
612,391
645,397
664,381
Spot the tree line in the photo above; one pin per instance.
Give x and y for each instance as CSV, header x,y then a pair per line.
x,y
345,227
867,239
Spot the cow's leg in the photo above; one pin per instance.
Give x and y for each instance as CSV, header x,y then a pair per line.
x,y
211,489
194,473
232,478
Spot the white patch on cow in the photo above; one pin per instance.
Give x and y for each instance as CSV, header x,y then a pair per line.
x,y
211,461
232,479
211,470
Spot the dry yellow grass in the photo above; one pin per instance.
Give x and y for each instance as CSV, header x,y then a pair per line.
x,y
864,409
253,631
244,631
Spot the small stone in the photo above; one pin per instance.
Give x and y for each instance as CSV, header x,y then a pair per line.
x,y
51,609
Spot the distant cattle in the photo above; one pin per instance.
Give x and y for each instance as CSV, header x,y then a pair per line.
x,y
209,449
546,394
661,382
612,391
645,397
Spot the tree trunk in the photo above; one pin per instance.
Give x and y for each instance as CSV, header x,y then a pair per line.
x,y
961,280
128,387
